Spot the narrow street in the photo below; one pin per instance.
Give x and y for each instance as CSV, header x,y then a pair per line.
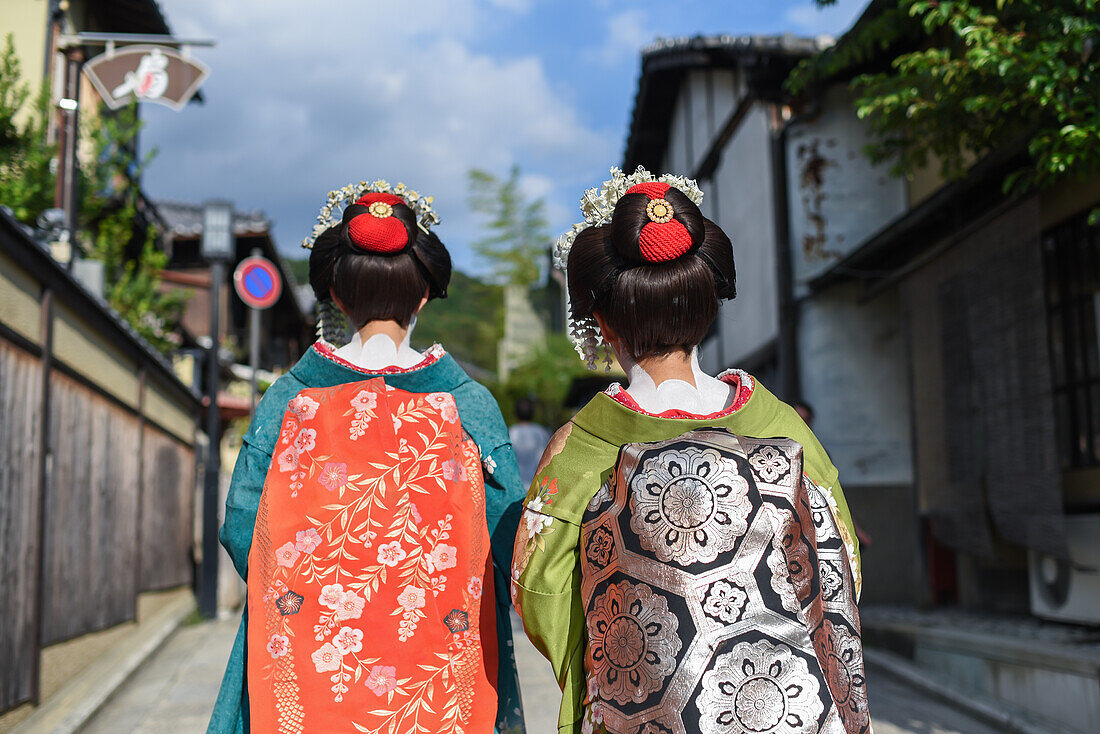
x,y
173,693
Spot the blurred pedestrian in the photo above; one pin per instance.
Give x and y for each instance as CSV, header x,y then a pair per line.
x,y
373,486
685,557
529,439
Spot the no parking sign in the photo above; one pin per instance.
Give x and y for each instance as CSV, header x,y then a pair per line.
x,y
258,282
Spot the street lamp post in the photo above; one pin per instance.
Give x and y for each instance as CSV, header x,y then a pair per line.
x,y
217,249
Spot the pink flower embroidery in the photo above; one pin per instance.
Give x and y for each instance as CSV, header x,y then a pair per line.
x,y
278,645
306,440
327,658
288,460
365,401
453,471
331,595
286,555
445,404
307,540
348,640
334,475
304,407
413,597
443,557
382,679
475,587
390,554
350,606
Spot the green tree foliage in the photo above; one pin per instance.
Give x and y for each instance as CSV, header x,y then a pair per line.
x,y
547,377
980,76
469,321
109,199
518,235
26,182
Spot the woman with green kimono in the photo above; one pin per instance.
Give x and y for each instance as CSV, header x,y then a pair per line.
x,y
646,273
377,266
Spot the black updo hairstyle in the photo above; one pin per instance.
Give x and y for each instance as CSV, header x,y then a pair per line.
x,y
374,286
656,308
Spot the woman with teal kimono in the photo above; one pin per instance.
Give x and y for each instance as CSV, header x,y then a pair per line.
x,y
379,290
646,272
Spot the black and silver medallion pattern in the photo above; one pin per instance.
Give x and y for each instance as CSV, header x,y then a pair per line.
x,y
718,595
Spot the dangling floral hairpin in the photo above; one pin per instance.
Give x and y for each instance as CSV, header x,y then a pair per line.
x,y
339,200
598,206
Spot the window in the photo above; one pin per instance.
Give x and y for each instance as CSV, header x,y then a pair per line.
x,y
1071,254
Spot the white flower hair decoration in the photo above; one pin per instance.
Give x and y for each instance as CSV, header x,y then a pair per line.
x,y
598,206
339,200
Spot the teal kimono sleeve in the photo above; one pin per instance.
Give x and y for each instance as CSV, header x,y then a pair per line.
x,y
250,471
242,503
504,494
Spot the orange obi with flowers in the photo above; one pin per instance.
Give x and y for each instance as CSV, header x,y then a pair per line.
x,y
370,599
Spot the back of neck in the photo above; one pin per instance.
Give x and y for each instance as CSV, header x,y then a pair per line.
x,y
676,382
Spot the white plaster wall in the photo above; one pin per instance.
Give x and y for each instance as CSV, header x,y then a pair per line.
x,y
856,200
745,212
852,360
676,159
723,83
702,131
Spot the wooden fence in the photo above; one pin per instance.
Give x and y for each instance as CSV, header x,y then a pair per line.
x,y
97,465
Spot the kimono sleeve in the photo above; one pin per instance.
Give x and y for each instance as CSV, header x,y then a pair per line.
x,y
504,494
546,592
250,471
242,504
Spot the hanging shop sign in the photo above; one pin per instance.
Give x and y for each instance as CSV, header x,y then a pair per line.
x,y
146,73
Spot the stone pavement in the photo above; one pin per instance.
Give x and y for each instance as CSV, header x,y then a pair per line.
x,y
174,692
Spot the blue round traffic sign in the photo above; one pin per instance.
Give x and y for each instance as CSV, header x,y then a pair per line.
x,y
258,282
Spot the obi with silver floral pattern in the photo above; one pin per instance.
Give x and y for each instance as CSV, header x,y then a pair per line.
x,y
718,595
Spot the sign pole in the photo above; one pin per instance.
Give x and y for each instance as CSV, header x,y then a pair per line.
x,y
254,346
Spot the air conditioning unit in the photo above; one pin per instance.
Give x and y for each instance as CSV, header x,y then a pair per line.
x,y
1069,592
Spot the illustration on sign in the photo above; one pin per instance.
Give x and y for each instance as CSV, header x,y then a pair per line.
x,y
146,73
149,81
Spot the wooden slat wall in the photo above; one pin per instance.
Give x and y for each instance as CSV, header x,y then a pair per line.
x,y
20,399
91,513
166,512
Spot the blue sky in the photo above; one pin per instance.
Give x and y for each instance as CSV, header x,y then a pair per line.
x,y
306,97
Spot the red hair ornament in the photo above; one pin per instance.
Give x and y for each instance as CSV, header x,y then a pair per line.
x,y
377,230
663,238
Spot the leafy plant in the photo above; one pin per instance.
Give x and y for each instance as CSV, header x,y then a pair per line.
x,y
982,76
26,179
109,199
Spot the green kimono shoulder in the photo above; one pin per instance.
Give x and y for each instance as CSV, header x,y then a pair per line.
x,y
546,571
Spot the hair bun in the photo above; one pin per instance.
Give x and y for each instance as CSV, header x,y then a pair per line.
x,y
655,223
376,229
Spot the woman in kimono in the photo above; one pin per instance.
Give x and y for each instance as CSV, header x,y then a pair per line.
x,y
376,265
678,574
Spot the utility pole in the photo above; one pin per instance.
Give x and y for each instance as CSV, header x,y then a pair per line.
x,y
217,249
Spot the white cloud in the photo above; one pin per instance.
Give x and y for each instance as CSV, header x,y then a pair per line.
x,y
300,103
627,32
832,20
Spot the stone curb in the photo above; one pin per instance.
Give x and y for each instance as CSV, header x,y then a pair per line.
x,y
984,709
69,709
